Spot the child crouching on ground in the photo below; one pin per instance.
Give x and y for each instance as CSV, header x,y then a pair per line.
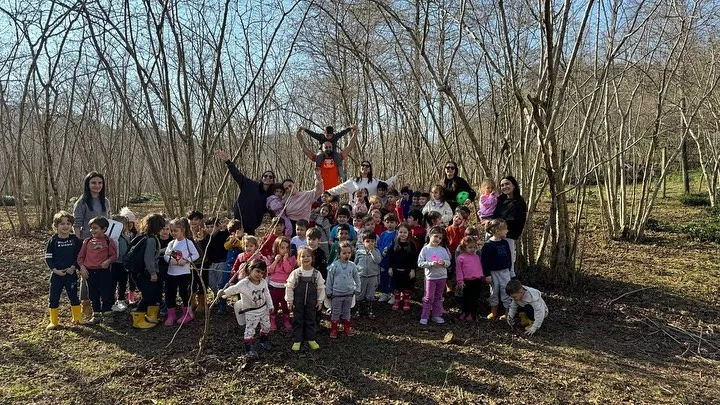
x,y
305,293
254,306
61,257
532,307
342,284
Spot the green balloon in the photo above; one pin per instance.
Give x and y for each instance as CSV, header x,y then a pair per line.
x,y
462,197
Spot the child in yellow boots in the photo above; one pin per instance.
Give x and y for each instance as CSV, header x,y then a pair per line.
x,y
61,255
531,306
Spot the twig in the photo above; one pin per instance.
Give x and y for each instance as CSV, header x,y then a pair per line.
x,y
628,293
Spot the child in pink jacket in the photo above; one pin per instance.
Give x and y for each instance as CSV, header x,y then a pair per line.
x,y
278,272
469,276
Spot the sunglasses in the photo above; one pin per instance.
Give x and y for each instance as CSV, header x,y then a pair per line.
x,y
268,176
450,167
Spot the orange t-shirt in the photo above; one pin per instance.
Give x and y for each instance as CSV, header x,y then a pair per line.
x,y
329,172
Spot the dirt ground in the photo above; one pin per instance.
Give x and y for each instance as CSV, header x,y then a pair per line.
x,y
658,345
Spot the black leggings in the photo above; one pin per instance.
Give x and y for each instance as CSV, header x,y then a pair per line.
x,y
150,291
120,278
172,285
471,292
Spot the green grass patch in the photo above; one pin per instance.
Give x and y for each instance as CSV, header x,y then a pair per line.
x,y
695,200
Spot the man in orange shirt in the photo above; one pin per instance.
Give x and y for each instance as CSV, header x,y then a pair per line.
x,y
329,171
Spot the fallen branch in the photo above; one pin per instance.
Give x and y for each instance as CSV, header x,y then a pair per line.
x,y
628,293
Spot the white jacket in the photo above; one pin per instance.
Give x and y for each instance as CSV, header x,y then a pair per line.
x,y
252,295
531,297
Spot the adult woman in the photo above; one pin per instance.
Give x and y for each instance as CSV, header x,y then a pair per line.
x,y
512,208
364,179
455,184
251,207
91,204
299,203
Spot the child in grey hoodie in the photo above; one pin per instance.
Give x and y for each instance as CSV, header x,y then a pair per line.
x,y
368,259
342,284
528,300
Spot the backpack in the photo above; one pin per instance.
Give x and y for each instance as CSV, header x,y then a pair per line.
x,y
134,259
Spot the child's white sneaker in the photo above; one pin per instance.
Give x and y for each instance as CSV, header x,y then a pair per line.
x,y
438,319
423,321
384,297
119,306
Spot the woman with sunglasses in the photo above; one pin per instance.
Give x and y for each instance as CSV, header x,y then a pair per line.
x,y
455,184
364,180
251,207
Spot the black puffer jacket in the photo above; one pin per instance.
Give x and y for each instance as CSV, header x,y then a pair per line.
x,y
514,212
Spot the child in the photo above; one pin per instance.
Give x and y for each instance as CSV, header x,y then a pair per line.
x,y
130,219
300,239
343,235
532,306
455,234
361,205
212,250
384,243
368,259
343,216
254,306
438,204
98,252
416,205
369,226
269,239
179,253
131,233
276,203
304,293
435,259
358,225
470,277
238,270
417,230
382,193
235,246
61,255
402,261
392,203
434,219
377,204
423,200
343,283
488,201
147,277
279,271
496,259
377,217
323,224
406,200
119,273
196,224
320,259
329,135
164,238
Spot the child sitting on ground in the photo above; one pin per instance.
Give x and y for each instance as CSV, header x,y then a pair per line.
x,y
528,300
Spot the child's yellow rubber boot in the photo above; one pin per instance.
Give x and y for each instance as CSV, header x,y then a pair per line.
x,y
139,321
152,313
77,316
493,313
524,320
54,319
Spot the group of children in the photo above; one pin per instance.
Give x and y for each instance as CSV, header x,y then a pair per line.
x,y
338,259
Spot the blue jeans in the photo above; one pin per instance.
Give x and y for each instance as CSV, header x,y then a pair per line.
x,y
101,289
387,286
68,283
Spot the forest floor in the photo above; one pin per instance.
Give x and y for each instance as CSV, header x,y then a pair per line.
x,y
658,345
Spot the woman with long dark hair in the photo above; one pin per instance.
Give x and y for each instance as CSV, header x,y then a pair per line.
x,y
454,184
364,180
512,208
91,204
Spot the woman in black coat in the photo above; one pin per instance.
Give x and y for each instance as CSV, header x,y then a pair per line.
x,y
511,207
455,184
249,206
